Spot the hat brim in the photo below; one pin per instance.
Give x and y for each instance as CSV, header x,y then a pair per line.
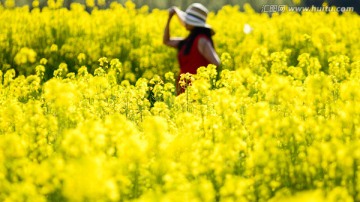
x,y
182,17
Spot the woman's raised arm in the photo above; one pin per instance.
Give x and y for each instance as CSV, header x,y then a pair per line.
x,y
172,42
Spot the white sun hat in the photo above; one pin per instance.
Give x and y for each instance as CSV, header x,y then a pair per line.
x,y
194,15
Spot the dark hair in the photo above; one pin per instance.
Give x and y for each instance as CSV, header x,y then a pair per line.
x,y
188,41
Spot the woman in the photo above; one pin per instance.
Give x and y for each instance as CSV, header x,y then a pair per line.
x,y
197,49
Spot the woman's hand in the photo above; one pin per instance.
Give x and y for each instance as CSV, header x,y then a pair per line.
x,y
171,12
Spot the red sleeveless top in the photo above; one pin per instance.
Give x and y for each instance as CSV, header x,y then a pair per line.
x,y
194,59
